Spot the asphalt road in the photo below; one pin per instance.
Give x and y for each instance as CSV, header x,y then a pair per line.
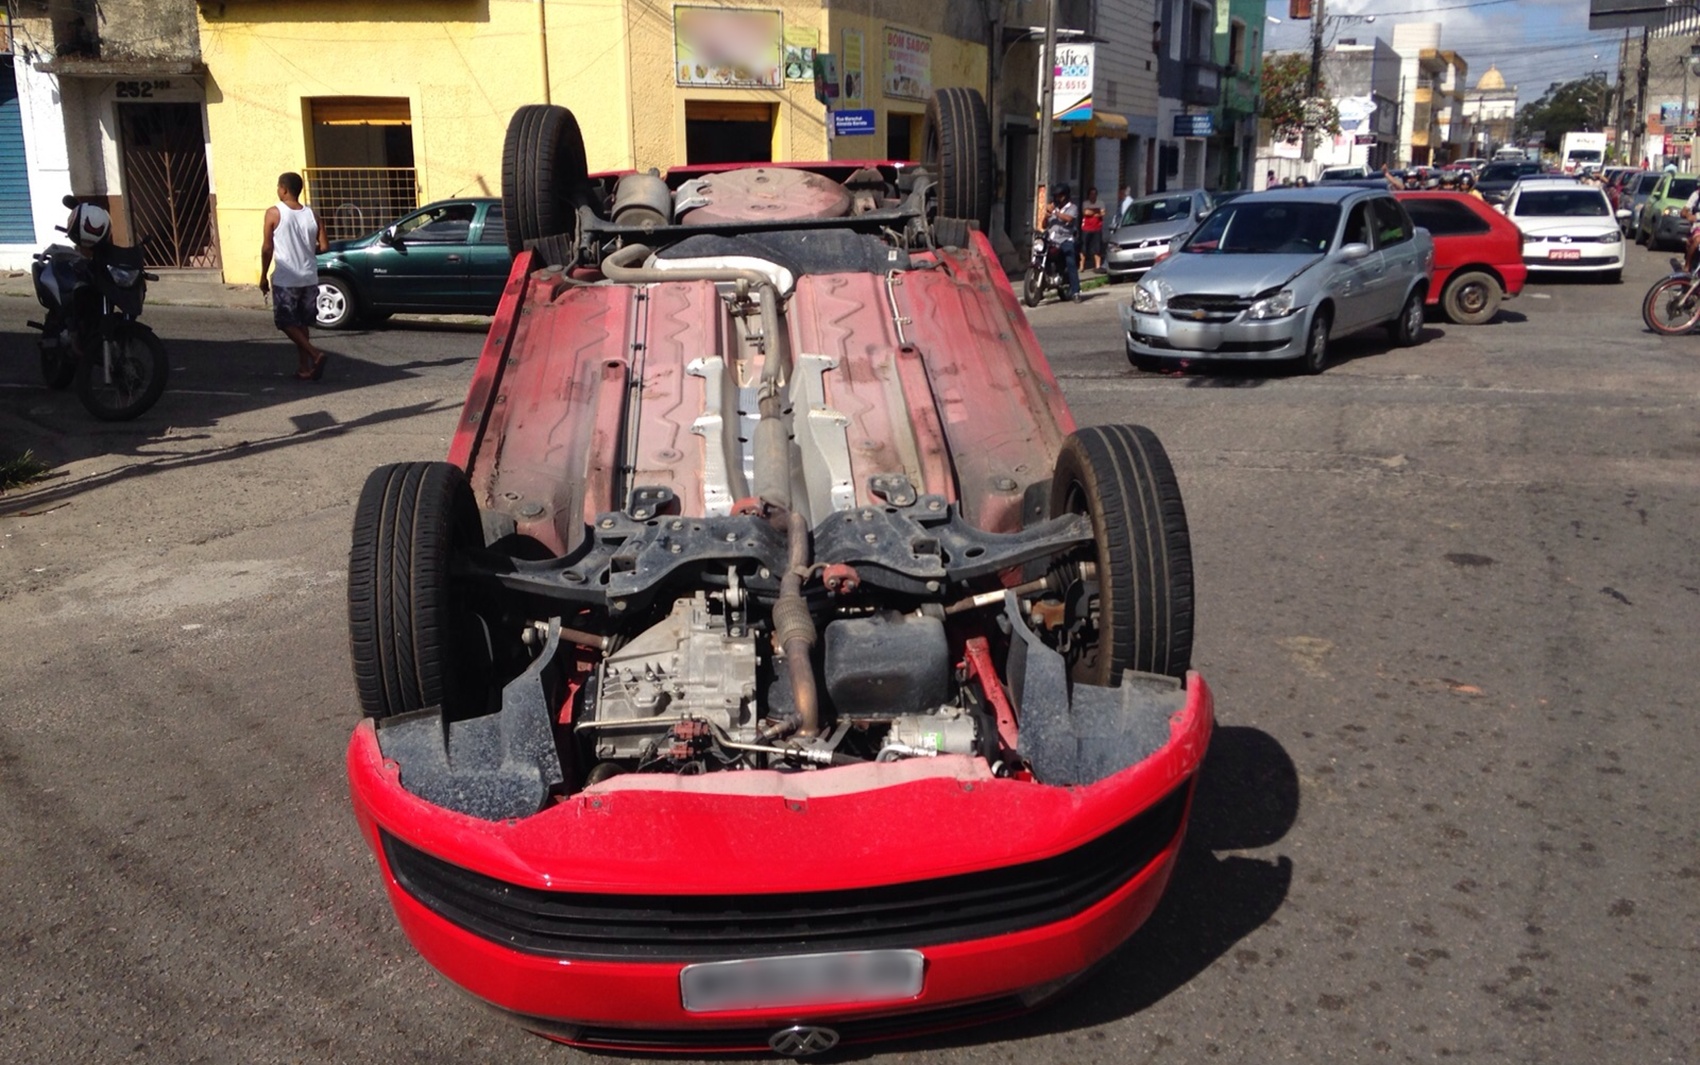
x,y
1448,601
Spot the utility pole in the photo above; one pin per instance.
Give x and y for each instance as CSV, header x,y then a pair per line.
x,y
1047,110
1641,101
1313,86
1622,86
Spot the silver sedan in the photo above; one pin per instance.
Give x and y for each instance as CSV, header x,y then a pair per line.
x,y
1147,228
1279,275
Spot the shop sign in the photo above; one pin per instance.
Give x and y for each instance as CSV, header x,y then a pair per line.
x,y
857,123
1364,138
1195,125
1671,113
826,76
1071,82
801,44
852,65
725,48
908,64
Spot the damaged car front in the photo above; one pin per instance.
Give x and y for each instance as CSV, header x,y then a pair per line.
x,y
773,664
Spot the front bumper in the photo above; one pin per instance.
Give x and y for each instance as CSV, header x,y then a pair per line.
x,y
757,844
1165,336
1132,262
1671,229
1537,255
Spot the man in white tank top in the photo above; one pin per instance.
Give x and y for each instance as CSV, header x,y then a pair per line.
x,y
293,236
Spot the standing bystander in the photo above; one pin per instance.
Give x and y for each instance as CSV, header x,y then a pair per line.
x,y
1091,231
292,236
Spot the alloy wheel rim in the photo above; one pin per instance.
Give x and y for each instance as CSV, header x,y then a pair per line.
x,y
330,304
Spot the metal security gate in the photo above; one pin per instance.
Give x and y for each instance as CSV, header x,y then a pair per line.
x,y
165,184
17,220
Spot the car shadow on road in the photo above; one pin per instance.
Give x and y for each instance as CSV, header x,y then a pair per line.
x,y
211,381
1248,797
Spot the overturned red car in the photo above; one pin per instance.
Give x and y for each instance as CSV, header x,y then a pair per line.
x,y
773,664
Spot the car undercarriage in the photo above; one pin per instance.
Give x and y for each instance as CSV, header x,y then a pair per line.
x,y
762,483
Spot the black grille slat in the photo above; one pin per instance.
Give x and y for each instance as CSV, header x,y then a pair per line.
x,y
666,927
1208,302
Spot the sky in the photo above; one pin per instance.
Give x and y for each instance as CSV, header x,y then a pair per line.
x,y
1533,42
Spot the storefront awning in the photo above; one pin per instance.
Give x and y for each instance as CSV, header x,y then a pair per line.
x,y
1103,124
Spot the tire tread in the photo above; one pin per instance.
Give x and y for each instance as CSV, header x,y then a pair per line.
x,y
1139,519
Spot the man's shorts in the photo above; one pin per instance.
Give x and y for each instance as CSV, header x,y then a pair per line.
x,y
295,306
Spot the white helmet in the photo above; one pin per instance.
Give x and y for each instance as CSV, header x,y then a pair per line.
x,y
89,225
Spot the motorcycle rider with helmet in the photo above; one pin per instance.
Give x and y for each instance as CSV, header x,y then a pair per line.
x,y
1061,220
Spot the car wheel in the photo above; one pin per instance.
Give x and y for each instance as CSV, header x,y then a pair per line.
x,y
1141,596
1471,298
1315,358
957,145
1407,329
336,307
544,175
413,638
1033,287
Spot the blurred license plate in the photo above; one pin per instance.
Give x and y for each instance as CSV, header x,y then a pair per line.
x,y
1565,253
803,980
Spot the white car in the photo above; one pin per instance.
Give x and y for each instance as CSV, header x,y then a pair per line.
x,y
1567,227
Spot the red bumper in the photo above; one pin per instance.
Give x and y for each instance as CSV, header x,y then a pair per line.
x,y
782,836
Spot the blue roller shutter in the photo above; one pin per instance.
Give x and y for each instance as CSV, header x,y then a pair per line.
x,y
17,219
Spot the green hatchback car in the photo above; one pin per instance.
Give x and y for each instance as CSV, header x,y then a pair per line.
x,y
448,257
1661,224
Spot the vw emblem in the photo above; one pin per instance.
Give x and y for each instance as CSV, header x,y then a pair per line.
x,y
802,1040
1564,240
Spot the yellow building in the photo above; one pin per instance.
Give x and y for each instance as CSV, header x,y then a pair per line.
x,y
386,105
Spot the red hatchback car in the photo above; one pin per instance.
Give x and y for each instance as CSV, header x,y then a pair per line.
x,y
1478,254
773,664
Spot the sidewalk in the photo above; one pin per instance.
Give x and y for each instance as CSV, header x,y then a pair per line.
x,y
175,288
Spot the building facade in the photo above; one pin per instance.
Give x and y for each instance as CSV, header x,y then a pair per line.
x,y
384,106
1422,98
1672,99
112,101
1363,82
1230,157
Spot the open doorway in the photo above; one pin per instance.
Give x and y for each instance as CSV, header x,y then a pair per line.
x,y
362,176
728,131
902,136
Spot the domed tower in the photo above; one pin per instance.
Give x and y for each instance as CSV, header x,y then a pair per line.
x,y
1491,108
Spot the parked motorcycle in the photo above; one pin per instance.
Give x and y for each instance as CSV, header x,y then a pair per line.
x,y
1672,306
93,290
1044,271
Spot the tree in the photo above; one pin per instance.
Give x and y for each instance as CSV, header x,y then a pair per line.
x,y
1286,86
1566,107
